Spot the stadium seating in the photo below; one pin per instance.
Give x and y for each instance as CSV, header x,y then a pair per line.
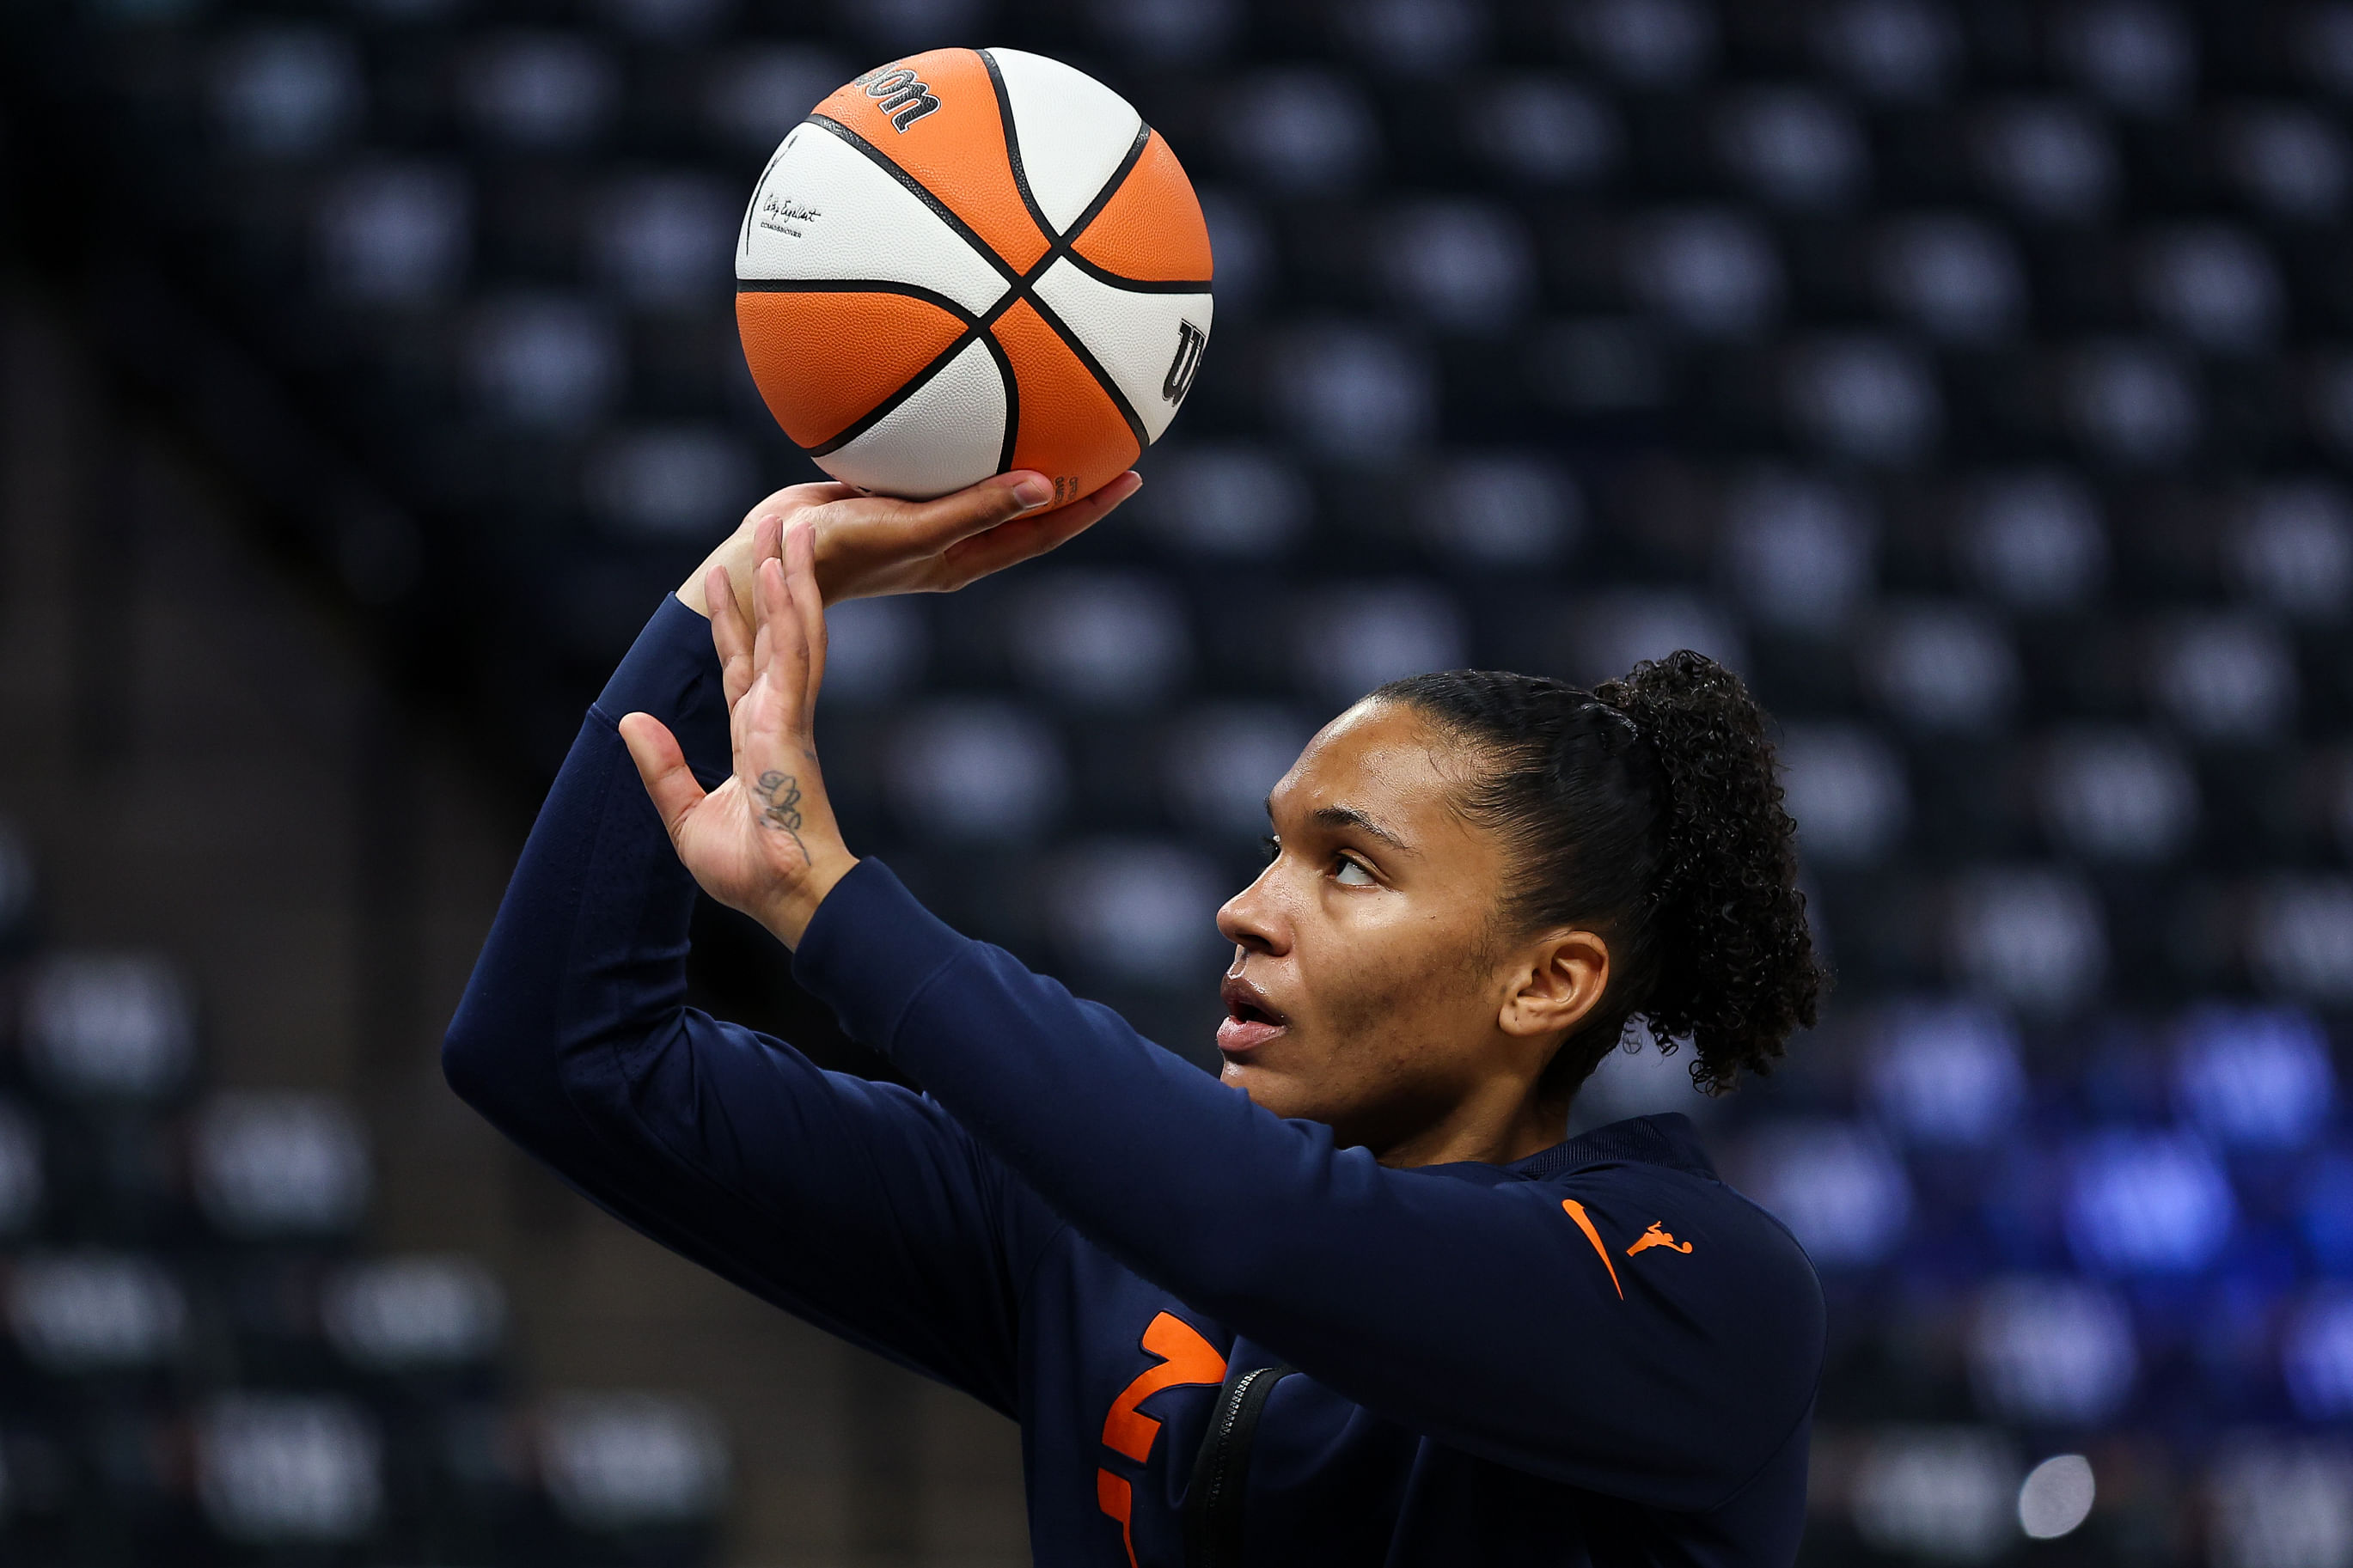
x,y
1977,376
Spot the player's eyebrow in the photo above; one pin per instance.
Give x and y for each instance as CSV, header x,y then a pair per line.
x,y
1350,817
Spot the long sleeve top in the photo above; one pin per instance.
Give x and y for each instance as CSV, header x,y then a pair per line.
x,y
1596,1354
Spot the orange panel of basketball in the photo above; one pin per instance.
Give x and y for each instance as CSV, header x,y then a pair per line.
x,y
970,261
782,331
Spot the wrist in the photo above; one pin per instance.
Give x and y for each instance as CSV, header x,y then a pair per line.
x,y
787,915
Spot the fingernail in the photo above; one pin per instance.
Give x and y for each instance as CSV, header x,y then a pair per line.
x,y
1035,490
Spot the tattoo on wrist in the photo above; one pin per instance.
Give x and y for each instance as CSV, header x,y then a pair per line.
x,y
782,793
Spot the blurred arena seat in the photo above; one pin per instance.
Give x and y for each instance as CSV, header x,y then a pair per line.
x,y
1978,379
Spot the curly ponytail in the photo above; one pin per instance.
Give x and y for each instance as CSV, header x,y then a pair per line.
x,y
1645,809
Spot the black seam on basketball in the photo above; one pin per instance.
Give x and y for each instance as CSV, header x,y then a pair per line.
x,y
922,193
1111,185
854,286
1094,368
889,405
1013,146
1012,400
1137,285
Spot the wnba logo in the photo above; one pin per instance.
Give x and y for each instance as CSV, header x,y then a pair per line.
x,y
1179,380
903,98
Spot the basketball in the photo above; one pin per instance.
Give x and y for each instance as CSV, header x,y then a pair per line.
x,y
969,261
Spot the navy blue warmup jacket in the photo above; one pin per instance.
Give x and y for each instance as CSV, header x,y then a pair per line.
x,y
1598,1354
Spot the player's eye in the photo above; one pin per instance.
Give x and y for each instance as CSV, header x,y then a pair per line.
x,y
1272,846
1354,874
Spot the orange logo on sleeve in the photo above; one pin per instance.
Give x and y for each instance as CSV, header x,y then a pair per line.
x,y
1584,1222
1657,1235
1185,1357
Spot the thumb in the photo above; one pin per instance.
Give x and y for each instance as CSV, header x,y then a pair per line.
x,y
663,768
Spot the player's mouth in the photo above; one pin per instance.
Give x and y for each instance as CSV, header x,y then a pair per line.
x,y
1250,1020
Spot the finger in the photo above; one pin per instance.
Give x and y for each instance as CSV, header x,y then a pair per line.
x,y
1025,539
669,782
800,580
729,635
785,665
933,525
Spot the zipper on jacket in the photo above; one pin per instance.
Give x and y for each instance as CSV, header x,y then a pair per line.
x,y
1213,1504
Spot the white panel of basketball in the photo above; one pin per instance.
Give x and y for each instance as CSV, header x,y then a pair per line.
x,y
1134,335
825,211
946,436
1073,131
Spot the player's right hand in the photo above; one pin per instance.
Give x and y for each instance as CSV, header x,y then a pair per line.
x,y
872,545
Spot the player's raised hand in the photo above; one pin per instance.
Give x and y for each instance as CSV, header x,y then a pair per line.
x,y
765,841
870,545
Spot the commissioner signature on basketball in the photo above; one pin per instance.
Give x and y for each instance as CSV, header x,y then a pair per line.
x,y
781,216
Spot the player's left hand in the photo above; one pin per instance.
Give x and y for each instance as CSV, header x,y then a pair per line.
x,y
765,841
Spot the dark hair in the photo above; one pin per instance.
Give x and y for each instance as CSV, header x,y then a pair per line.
x,y
1646,810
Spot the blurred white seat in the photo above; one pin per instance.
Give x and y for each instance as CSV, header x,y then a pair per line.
x,y
1941,1493
2108,792
1653,44
289,1467
1499,510
1794,147
1306,129
280,1163
1546,129
547,361
2224,678
288,91
1138,910
2292,549
108,1025
2134,404
1948,1074
1941,666
2290,159
689,481
2034,540
666,239
1351,638
539,88
410,1311
611,1461
1097,638
978,770
755,94
1836,1184
2299,938
2139,57
1459,262
1892,51
1799,549
2147,1203
1709,270
1355,392
394,233
1953,276
2033,937
2051,158
95,1311
2051,1352
1867,397
1845,788
1229,500
1222,760
2254,1078
2214,285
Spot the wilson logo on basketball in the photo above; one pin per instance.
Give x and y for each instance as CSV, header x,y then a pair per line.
x,y
902,96
1179,380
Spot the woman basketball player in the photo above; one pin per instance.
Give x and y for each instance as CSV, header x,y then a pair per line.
x,y
1353,1301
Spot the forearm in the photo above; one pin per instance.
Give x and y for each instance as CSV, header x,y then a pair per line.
x,y
536,982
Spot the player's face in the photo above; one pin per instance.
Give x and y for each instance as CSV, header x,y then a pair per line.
x,y
1366,981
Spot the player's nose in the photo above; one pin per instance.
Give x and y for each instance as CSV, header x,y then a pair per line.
x,y
1253,919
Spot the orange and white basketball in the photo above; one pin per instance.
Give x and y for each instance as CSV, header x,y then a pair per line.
x,y
969,261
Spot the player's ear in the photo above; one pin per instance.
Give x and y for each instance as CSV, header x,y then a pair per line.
x,y
1560,980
